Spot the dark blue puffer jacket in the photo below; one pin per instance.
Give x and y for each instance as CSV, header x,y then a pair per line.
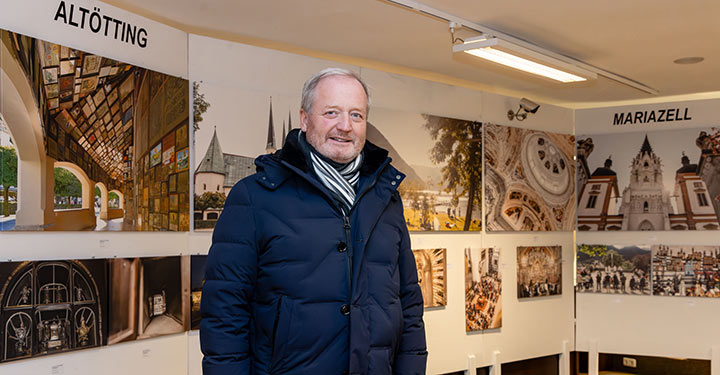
x,y
280,296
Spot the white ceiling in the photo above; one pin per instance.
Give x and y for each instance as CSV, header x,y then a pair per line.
x,y
636,39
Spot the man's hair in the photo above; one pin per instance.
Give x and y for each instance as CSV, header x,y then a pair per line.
x,y
308,91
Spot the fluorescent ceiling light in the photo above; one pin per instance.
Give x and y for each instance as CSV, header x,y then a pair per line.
x,y
521,58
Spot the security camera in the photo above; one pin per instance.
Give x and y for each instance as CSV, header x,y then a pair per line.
x,y
526,106
529,105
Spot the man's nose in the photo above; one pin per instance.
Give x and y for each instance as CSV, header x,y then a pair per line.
x,y
344,123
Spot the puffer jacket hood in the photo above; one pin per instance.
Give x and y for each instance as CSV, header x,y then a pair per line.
x,y
295,287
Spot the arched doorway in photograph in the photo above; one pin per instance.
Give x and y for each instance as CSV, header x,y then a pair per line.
x,y
77,218
35,169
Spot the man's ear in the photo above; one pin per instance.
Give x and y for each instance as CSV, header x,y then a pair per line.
x,y
304,120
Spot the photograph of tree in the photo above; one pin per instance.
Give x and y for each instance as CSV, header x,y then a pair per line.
x,y
686,270
539,271
442,162
52,306
432,275
640,181
613,269
483,289
87,163
529,180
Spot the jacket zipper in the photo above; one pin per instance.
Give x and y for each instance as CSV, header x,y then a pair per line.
x,y
348,238
346,217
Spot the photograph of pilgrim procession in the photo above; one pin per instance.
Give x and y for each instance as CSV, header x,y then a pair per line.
x,y
686,270
529,180
539,271
483,289
613,269
663,180
107,151
432,275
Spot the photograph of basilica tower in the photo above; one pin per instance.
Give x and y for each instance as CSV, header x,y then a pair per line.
x,y
649,181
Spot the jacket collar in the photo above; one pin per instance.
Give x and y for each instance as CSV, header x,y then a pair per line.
x,y
293,153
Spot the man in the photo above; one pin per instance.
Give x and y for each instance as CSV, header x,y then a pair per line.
x,y
311,271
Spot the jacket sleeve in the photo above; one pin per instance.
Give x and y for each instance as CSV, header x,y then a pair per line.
x,y
230,274
411,358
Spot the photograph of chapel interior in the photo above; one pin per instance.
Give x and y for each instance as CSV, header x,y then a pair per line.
x,y
613,110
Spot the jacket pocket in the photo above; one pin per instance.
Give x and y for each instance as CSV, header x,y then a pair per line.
x,y
279,337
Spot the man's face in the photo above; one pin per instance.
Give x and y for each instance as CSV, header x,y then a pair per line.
x,y
336,126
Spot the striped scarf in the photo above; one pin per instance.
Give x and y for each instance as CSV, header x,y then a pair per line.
x,y
341,180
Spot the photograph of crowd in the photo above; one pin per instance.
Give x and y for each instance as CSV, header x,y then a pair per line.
x,y
613,269
432,275
685,270
539,271
530,180
483,289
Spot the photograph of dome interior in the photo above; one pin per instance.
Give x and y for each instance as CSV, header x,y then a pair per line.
x,y
530,181
100,144
539,271
483,289
613,269
432,275
670,180
52,306
686,270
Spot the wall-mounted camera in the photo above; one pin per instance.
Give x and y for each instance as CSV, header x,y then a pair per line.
x,y
526,106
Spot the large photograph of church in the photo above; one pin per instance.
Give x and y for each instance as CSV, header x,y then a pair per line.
x,y
649,181
613,269
51,307
483,289
539,271
529,180
442,161
89,142
686,270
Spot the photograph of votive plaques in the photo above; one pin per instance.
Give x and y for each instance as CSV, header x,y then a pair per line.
x,y
613,269
483,289
529,180
110,132
149,297
539,271
432,275
51,306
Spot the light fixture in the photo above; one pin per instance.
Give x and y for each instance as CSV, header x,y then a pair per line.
x,y
503,52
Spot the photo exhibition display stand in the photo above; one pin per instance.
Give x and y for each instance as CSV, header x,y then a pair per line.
x,y
531,327
666,326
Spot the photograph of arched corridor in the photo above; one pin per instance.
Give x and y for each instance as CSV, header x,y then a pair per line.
x,y
89,143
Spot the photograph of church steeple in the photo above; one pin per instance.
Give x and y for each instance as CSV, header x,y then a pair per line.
x,y
217,172
662,189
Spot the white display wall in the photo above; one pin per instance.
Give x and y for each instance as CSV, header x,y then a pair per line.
x,y
665,326
531,328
